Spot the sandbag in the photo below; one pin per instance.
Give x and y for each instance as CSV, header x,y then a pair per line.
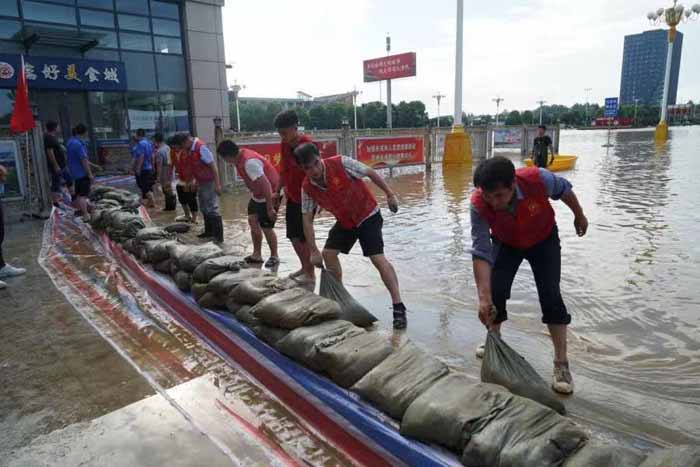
x,y
163,266
193,256
244,316
212,301
125,224
183,281
270,335
294,308
595,454
503,365
232,305
677,456
350,309
155,251
152,233
351,359
252,291
302,344
452,409
524,434
130,245
198,289
210,268
396,382
224,283
177,227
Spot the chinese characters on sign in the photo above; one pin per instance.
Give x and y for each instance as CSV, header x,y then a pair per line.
x,y
391,67
382,152
272,150
610,107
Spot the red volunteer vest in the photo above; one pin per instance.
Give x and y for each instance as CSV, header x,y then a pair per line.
x,y
292,175
182,166
534,217
349,199
268,169
202,172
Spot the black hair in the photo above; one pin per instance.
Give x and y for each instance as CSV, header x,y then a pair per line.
x,y
286,119
543,127
494,173
80,129
227,148
158,137
140,132
178,139
51,125
306,154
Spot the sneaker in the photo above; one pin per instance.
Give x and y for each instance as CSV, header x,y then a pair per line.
x,y
11,271
562,381
272,262
480,350
3,285
183,218
400,320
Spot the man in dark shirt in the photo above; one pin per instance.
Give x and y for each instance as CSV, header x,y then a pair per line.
x,y
541,148
56,161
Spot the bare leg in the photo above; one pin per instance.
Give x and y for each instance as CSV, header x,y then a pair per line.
x,y
558,333
302,251
332,262
271,239
388,274
256,236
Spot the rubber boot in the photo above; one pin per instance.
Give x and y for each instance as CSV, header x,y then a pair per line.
x,y
170,202
217,228
207,227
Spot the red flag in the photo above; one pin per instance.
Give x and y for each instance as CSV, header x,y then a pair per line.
x,y
22,119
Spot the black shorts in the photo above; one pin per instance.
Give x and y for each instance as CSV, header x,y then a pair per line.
x,y
82,186
369,233
187,198
258,209
145,181
295,223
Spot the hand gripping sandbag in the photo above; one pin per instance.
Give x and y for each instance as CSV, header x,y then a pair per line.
x,y
503,365
210,268
294,308
302,344
400,379
351,359
350,309
193,256
452,409
605,455
252,291
524,434
677,456
224,283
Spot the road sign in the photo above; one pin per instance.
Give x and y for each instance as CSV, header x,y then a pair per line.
x,y
611,107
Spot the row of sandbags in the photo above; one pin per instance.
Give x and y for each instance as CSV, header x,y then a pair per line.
x,y
485,424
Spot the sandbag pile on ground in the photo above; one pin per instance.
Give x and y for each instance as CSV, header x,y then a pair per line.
x,y
596,454
252,291
210,268
294,308
350,309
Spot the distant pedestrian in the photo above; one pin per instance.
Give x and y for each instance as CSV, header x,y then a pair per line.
x,y
79,168
143,167
542,148
164,169
56,161
5,269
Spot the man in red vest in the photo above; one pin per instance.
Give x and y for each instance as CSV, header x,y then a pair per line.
x,y
512,207
291,177
336,184
203,168
262,179
185,187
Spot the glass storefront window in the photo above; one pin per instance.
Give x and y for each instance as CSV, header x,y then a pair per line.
x,y
168,45
106,4
135,23
9,8
171,73
174,113
102,54
132,41
140,71
144,111
6,102
109,117
108,39
166,27
133,6
96,18
12,47
9,28
49,13
166,10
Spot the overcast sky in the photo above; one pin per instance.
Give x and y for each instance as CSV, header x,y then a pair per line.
x,y
521,50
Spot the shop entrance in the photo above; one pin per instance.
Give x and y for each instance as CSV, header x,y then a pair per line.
x,y
64,107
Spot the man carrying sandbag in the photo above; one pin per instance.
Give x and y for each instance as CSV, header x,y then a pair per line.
x,y
203,168
512,207
336,184
262,179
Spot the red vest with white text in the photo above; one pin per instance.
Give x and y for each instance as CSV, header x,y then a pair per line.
x,y
268,169
203,173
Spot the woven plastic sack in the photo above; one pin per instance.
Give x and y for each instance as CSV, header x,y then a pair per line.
x,y
346,362
677,456
155,251
350,309
183,281
252,291
226,282
178,227
294,308
270,335
152,233
212,301
605,455
193,256
163,266
210,268
198,290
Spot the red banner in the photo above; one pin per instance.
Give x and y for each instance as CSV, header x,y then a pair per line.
x,y
382,152
391,67
272,150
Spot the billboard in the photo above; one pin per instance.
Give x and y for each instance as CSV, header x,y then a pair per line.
x,y
272,149
380,152
611,107
390,67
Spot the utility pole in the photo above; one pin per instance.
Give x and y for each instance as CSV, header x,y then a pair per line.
x,y
636,101
388,88
498,101
355,92
437,97
541,104
236,88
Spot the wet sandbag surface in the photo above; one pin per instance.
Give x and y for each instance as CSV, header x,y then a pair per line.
x,y
156,251
193,256
210,268
269,334
246,317
183,281
198,289
503,365
595,454
452,409
226,282
177,227
163,266
347,361
252,291
302,344
350,309
294,308
152,233
212,301
400,379
524,434
677,456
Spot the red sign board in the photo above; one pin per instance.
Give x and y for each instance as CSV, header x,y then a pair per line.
x,y
272,149
391,67
381,152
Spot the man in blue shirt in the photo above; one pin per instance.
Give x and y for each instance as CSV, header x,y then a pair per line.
x,y
142,152
79,168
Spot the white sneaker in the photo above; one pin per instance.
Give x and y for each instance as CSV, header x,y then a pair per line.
x,y
480,349
3,285
562,381
11,271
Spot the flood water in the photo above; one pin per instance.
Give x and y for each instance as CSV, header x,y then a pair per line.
x,y
632,284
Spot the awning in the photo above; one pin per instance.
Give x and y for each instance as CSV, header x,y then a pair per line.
x,y
46,35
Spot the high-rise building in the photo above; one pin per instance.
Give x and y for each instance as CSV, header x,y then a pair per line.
x,y
644,65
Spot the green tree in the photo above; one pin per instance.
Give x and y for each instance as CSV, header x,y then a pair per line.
x,y
410,115
373,115
514,118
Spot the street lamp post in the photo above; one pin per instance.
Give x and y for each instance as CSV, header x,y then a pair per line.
x,y
236,88
498,101
672,17
541,102
438,97
636,101
355,92
588,99
389,123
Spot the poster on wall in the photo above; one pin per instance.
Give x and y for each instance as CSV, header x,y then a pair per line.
x,y
10,158
271,149
380,152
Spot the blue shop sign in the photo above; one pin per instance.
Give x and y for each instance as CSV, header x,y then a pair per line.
x,y
63,73
611,107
